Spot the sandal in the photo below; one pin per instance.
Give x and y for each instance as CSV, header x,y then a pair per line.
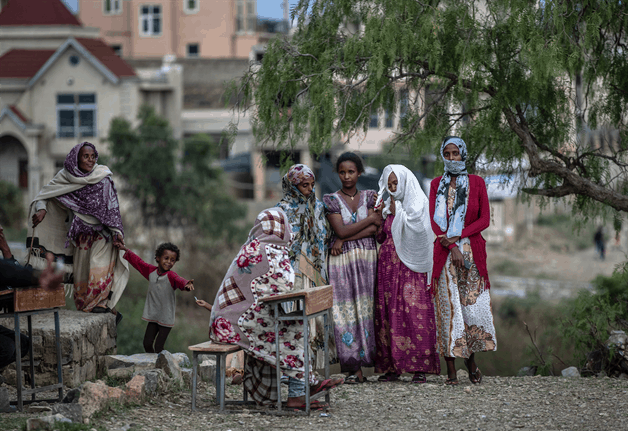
x,y
476,378
452,381
388,377
353,379
473,377
419,378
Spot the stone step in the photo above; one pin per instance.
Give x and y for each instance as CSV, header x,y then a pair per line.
x,y
86,339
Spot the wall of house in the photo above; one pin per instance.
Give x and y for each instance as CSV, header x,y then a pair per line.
x,y
41,37
212,27
62,77
9,97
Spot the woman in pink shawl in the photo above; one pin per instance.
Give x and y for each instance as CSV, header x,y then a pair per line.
x,y
76,216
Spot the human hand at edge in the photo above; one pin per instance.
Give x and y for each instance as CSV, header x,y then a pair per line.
x,y
38,217
203,304
49,279
446,242
4,246
336,249
456,257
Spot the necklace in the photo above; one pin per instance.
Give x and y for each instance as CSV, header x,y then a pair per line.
x,y
347,194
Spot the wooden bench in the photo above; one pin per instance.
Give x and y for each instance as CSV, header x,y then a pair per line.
x,y
314,302
220,351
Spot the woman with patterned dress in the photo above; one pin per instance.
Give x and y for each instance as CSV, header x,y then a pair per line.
x,y
352,267
459,212
405,326
262,269
311,233
77,216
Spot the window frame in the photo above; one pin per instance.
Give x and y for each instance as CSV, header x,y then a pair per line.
x,y
151,20
247,17
114,10
77,108
186,8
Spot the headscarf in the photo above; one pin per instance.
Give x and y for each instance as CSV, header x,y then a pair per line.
x,y
307,217
99,200
411,228
452,221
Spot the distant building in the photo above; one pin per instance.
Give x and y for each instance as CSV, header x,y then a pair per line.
x,y
184,28
60,85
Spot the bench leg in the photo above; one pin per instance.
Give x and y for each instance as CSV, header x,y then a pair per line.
x,y
306,345
326,347
194,376
277,357
223,369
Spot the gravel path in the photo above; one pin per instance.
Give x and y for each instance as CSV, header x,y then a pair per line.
x,y
527,403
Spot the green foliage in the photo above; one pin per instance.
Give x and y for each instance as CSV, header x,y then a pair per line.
x,y
500,74
592,316
12,208
173,189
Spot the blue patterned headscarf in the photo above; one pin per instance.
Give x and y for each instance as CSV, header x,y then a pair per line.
x,y
452,221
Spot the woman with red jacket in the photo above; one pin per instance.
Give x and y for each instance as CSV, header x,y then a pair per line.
x,y
459,212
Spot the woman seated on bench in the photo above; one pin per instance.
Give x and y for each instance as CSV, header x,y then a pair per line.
x,y
261,269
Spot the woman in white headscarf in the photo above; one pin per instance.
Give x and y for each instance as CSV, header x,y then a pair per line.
x,y
404,315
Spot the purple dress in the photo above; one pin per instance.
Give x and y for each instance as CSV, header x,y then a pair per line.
x,y
353,276
404,314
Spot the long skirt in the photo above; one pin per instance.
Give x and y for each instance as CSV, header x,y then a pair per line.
x,y
353,276
463,310
94,263
404,320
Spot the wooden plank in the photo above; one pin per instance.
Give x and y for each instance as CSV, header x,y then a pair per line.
x,y
321,298
316,298
38,298
212,347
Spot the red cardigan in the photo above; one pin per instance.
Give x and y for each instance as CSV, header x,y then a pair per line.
x,y
477,219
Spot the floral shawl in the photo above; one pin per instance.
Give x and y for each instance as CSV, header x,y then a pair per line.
x,y
261,269
452,221
307,217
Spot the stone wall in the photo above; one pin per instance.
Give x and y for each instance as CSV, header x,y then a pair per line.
x,y
85,338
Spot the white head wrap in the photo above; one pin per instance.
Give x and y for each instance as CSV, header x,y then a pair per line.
x,y
411,229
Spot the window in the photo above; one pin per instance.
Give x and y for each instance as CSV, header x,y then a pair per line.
x,y
76,115
404,104
150,20
112,7
246,16
117,49
388,119
191,6
193,50
373,122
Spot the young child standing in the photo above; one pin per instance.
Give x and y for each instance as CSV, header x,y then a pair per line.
x,y
160,304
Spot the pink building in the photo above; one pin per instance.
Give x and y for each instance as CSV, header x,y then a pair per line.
x,y
185,28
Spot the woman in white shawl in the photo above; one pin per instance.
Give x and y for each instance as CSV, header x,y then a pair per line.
x,y
405,325
77,216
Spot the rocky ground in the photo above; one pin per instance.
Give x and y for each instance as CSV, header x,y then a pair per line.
x,y
527,403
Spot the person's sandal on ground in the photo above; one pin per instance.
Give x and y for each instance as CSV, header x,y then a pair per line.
x,y
452,381
419,378
475,377
354,379
388,377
